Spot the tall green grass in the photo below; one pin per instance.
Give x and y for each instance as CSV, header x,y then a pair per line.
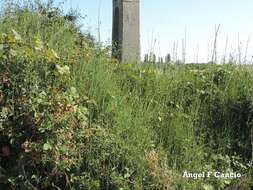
x,y
192,113
147,124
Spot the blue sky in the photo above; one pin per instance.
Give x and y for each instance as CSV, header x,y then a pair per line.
x,y
163,23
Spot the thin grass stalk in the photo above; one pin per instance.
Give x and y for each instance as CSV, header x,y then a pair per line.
x,y
225,52
214,56
246,49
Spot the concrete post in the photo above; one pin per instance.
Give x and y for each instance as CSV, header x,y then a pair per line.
x,y
126,30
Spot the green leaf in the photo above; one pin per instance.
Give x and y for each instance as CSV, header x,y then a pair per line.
x,y
127,175
1,47
38,44
52,55
13,53
47,146
227,182
63,70
208,187
17,37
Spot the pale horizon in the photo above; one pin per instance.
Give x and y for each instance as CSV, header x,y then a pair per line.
x,y
164,22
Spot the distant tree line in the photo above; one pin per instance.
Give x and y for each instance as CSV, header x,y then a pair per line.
x,y
152,58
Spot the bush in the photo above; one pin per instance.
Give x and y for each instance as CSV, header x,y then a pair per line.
x,y
43,123
76,119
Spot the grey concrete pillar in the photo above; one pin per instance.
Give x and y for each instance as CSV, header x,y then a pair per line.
x,y
126,30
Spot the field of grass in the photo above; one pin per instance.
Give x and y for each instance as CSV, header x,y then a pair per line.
x,y
72,118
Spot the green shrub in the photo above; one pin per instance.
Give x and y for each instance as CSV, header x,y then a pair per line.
x,y
76,119
43,120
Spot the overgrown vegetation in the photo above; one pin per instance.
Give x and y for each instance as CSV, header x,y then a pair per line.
x,y
72,118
